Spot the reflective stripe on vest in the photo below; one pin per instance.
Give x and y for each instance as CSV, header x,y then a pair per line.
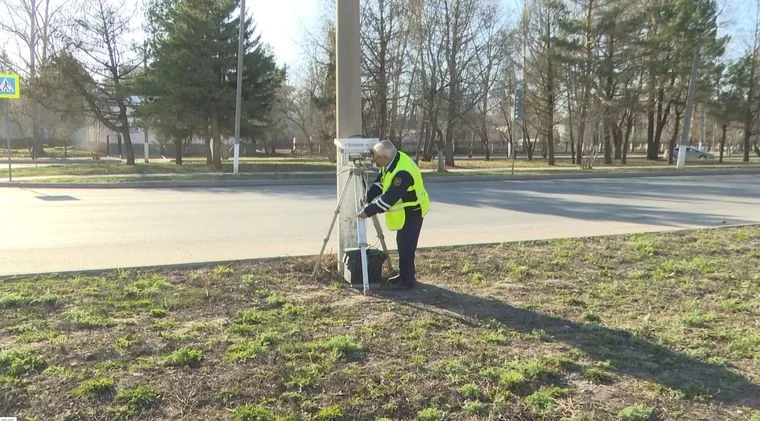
x,y
396,216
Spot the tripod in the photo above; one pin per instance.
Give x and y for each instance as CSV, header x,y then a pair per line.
x,y
358,177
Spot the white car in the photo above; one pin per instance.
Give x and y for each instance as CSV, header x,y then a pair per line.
x,y
692,152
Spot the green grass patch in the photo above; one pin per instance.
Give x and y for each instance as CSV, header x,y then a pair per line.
x,y
135,400
430,414
94,387
341,347
545,398
598,375
470,391
184,357
147,287
330,413
88,319
637,413
245,351
19,362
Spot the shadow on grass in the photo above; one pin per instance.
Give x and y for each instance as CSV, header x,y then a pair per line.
x,y
631,355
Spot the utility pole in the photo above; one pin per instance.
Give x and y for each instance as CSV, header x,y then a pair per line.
x,y
687,117
347,111
239,93
146,145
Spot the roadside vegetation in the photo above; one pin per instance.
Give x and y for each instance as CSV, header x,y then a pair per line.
x,y
634,327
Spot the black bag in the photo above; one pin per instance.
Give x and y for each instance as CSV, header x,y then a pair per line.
x,y
352,259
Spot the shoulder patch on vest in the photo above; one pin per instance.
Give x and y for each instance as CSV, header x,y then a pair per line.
x,y
396,181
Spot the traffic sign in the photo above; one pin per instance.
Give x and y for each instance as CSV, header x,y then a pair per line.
x,y
9,86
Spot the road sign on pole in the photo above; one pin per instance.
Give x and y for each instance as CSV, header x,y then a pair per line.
x,y
9,86
9,89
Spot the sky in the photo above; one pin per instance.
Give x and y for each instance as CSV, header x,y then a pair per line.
x,y
284,24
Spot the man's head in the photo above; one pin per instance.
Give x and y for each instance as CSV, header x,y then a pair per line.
x,y
383,153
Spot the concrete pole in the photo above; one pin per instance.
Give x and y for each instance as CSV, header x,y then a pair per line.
x,y
347,111
687,117
239,92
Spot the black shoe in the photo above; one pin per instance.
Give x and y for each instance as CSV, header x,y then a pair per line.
x,y
396,282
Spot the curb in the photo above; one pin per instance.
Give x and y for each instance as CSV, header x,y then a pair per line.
x,y
330,181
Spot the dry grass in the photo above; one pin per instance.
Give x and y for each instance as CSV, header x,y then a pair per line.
x,y
626,327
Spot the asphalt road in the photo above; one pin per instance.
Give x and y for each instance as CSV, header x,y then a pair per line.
x,y
55,230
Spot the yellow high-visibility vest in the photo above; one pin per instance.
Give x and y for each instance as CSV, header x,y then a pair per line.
x,y
395,216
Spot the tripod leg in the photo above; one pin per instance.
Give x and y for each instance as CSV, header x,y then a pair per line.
x,y
380,235
361,232
332,224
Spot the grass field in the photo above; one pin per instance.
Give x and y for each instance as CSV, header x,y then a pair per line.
x,y
638,327
196,168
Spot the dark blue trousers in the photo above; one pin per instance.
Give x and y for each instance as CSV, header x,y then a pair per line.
x,y
406,241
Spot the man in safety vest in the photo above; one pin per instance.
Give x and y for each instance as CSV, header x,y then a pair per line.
x,y
400,193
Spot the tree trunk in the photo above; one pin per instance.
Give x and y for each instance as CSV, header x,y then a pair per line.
x,y
471,148
420,141
178,151
570,123
128,145
484,141
606,134
527,143
550,116
722,141
125,134
207,141
627,139
449,144
617,140
662,120
441,148
651,149
747,133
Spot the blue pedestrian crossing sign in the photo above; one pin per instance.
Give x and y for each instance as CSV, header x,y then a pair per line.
x,y
9,86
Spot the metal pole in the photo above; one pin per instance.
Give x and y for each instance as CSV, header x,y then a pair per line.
x,y
8,136
348,110
512,146
687,117
361,234
146,145
239,93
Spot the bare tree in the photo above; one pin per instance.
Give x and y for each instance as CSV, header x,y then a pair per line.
x,y
544,74
100,62
385,40
493,48
428,55
35,26
458,35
